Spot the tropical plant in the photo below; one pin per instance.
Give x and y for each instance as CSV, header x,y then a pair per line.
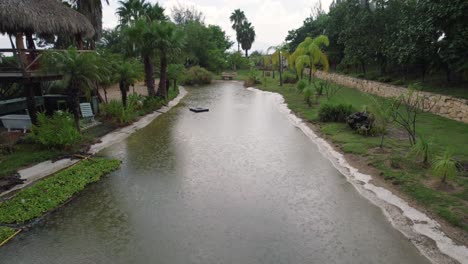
x,y
79,70
309,53
127,73
247,36
444,166
383,111
301,85
281,53
308,95
175,72
237,18
131,10
421,149
169,41
92,9
57,131
197,75
143,35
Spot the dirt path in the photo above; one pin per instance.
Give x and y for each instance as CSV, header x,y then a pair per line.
x,y
113,92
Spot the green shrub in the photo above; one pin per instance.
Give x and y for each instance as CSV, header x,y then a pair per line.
x,y
197,76
53,191
252,79
151,104
58,131
301,85
116,113
334,113
5,233
289,77
445,166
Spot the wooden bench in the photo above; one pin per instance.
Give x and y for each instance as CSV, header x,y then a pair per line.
x,y
228,75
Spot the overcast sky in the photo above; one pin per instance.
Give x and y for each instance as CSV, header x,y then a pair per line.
x,y
271,18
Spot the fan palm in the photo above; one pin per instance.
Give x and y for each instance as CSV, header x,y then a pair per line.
x,y
79,71
247,36
169,41
237,18
131,10
127,72
92,9
143,35
308,53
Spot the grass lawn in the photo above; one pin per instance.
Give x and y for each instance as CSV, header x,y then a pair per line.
x,y
5,233
408,174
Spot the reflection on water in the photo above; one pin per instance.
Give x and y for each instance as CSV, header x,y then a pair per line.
x,y
238,184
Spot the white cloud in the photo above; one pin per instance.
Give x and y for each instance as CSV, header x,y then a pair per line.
x,y
271,18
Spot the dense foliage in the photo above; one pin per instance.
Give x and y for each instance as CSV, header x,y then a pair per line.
x,y
197,76
394,36
50,193
57,131
334,113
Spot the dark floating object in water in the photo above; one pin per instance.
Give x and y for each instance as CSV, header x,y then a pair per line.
x,y
199,109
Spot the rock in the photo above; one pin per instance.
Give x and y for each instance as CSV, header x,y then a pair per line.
x,y
361,121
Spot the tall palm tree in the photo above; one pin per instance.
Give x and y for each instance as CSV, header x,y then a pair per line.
x,y
92,9
237,18
169,41
247,36
308,53
143,35
131,10
281,53
155,13
79,71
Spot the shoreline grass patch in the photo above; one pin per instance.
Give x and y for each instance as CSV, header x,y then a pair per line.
x,y
52,192
5,233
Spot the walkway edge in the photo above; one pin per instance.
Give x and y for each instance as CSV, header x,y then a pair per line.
x,y
397,210
46,168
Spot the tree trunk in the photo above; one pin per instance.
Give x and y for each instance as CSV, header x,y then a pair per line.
x,y
162,90
123,92
175,84
149,78
246,53
74,102
310,75
31,101
280,69
238,47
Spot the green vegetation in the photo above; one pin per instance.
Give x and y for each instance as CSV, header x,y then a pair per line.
x,y
5,233
50,193
334,113
197,76
399,42
57,131
408,175
245,32
445,167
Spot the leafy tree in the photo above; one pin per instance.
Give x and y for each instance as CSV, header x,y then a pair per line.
x,y
79,71
309,53
237,18
247,36
127,72
187,14
175,72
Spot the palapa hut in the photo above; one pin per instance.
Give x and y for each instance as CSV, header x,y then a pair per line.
x,y
27,17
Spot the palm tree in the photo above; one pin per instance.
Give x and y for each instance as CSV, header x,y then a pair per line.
x,y
308,53
281,53
237,18
169,41
155,13
445,166
131,10
143,35
127,72
92,9
79,71
247,36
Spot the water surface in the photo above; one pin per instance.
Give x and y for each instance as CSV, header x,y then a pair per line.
x,y
239,184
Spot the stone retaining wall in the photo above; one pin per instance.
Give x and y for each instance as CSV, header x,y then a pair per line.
x,y
446,106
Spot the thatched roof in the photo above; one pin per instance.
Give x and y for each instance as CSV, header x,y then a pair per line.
x,y
42,16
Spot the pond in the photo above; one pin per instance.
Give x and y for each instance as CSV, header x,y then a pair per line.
x,y
237,184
